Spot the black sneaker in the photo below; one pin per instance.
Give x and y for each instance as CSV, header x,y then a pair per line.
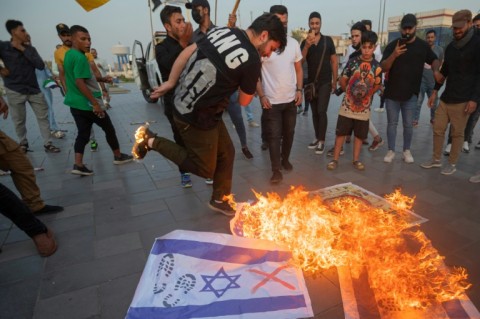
x,y
49,209
276,177
81,170
142,135
246,153
50,148
222,207
287,166
320,148
122,159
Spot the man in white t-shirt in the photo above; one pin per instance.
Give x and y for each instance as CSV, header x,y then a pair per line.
x,y
280,92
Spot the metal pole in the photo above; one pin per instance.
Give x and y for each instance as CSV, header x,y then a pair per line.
x,y
383,17
215,12
151,26
379,18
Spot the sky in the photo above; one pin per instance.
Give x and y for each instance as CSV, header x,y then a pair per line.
x,y
123,21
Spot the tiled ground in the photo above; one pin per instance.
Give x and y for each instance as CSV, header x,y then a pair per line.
x,y
111,218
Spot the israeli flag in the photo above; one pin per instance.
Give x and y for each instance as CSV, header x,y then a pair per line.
x,y
209,275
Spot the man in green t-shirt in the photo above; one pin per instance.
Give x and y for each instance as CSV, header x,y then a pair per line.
x,y
85,101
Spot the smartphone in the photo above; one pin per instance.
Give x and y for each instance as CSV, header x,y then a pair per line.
x,y
403,41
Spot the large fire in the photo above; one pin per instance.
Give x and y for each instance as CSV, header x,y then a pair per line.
x,y
347,231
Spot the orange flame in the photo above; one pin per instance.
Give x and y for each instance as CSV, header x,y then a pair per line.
x,y
403,265
139,134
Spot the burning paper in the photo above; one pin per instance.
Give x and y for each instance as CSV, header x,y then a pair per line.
x,y
206,275
351,227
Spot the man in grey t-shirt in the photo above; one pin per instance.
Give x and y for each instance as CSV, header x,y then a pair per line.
x,y
428,82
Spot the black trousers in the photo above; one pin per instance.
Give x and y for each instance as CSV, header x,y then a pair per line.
x,y
279,127
15,209
84,121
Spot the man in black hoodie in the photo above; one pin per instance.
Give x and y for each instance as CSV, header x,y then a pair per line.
x,y
461,69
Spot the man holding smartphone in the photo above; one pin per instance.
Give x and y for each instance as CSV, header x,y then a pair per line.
x,y
404,59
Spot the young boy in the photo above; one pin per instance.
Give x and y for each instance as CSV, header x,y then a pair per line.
x,y
85,101
360,79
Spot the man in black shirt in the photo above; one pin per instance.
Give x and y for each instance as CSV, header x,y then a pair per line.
x,y
404,59
461,69
208,72
313,47
21,60
166,52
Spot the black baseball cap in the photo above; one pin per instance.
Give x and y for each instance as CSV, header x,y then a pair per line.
x,y
62,28
196,3
408,21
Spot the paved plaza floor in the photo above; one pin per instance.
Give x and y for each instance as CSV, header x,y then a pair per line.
x,y
111,218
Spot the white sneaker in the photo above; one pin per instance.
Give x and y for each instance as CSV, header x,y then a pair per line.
x,y
475,178
253,124
448,169
465,148
389,157
447,150
380,109
407,157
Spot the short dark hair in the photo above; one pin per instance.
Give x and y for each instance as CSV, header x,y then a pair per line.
x,y
360,26
314,14
278,9
367,22
167,13
77,28
369,37
431,31
12,24
477,17
271,23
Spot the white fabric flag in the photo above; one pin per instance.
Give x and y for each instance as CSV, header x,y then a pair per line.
x,y
209,275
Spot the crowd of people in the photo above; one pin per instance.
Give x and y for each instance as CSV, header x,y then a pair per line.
x,y
214,69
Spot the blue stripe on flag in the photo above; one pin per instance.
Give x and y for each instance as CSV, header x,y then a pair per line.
x,y
220,308
454,309
218,252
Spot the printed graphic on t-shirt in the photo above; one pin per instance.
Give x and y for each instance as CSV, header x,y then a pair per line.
x,y
201,76
224,61
363,77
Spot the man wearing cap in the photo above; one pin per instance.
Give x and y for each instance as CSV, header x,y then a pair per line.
x,y
201,15
404,59
461,69
21,60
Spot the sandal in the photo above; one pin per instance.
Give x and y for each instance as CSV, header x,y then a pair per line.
x,y
332,165
358,165
49,148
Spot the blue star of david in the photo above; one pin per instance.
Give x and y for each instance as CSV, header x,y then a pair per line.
x,y
220,277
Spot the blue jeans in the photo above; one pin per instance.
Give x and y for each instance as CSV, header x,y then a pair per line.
x,y
279,125
425,88
234,109
249,112
393,111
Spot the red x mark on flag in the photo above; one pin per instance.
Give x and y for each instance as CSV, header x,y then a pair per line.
x,y
271,276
